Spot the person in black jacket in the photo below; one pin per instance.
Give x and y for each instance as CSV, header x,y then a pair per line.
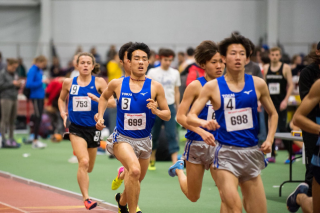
x,y
308,76
9,86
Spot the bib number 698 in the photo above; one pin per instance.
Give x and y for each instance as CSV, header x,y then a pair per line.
x,y
239,120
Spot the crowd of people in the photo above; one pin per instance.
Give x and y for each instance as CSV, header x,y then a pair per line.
x,y
229,96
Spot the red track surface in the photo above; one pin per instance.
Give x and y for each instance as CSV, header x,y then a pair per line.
x,y
19,197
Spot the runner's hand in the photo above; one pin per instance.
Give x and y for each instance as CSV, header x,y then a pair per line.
x,y
153,105
100,124
266,147
93,97
96,117
64,116
208,138
210,125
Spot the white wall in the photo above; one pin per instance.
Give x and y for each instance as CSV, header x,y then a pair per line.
x,y
175,24
19,25
299,24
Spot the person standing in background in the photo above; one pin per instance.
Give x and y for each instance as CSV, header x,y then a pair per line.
x,y
9,86
35,84
181,60
21,70
279,80
113,67
169,78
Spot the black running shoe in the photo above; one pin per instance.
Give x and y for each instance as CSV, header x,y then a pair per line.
x,y
121,209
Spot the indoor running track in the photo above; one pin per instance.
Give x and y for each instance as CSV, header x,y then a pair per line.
x,y
16,196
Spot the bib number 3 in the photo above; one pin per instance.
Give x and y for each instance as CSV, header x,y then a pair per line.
x,y
135,121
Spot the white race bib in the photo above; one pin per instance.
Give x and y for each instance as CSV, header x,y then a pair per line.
x,y
125,103
81,104
134,121
74,89
238,119
274,88
211,114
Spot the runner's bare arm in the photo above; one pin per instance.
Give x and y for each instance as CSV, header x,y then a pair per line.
x,y
62,99
103,101
163,112
189,97
102,86
288,77
309,102
267,104
204,97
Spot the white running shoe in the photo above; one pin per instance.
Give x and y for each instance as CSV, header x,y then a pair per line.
x,y
73,159
38,145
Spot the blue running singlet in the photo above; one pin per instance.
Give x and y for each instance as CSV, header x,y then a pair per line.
x,y
207,113
238,115
80,107
134,119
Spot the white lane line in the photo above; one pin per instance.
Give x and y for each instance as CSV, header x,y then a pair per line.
x,y
13,207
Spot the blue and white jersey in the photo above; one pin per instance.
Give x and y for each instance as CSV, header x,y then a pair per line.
x,y
238,115
134,119
207,113
80,107
316,155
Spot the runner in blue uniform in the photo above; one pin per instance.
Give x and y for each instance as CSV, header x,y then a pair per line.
x,y
199,148
84,92
238,160
136,111
299,197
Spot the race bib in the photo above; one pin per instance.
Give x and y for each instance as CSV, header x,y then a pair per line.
x,y
74,89
81,104
274,88
125,103
136,121
97,136
211,114
238,119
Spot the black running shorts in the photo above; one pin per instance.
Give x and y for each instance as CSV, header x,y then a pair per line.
x,y
90,134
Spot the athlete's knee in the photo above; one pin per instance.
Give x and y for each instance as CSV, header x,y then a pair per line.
x,y
135,172
194,198
84,163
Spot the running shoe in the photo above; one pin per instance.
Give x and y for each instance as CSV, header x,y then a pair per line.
x,y
38,145
89,204
178,165
73,159
121,209
271,160
288,160
152,165
116,183
138,210
292,204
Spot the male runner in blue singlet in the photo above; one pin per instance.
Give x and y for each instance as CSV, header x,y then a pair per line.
x,y
136,111
237,158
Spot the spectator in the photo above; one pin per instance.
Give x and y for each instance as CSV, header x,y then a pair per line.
x,y
296,65
251,67
189,60
1,64
113,67
35,84
93,51
181,60
152,59
55,70
75,72
9,86
21,70
308,76
170,80
111,52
